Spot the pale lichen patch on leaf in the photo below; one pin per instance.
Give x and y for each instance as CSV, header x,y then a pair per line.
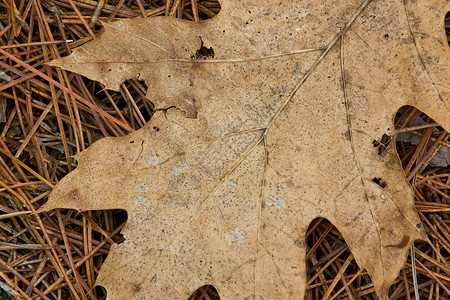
x,y
140,200
277,202
153,161
179,169
142,188
234,237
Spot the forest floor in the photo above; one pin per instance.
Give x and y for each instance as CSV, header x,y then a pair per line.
x,y
40,130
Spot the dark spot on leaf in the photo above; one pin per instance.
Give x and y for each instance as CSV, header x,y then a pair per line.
x,y
74,193
347,135
382,144
135,287
380,182
403,243
386,35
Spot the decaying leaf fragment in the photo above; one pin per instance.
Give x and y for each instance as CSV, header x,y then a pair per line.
x,y
221,185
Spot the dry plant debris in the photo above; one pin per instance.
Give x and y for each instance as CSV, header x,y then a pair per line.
x,y
45,125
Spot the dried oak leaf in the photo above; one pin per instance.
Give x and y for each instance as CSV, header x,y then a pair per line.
x,y
247,147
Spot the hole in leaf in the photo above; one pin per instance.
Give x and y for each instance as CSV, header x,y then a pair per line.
x,y
100,292
382,144
203,52
447,27
205,292
380,182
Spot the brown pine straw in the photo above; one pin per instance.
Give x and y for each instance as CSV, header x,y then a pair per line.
x,y
48,115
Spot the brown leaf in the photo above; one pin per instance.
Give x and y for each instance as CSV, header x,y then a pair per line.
x,y
247,147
